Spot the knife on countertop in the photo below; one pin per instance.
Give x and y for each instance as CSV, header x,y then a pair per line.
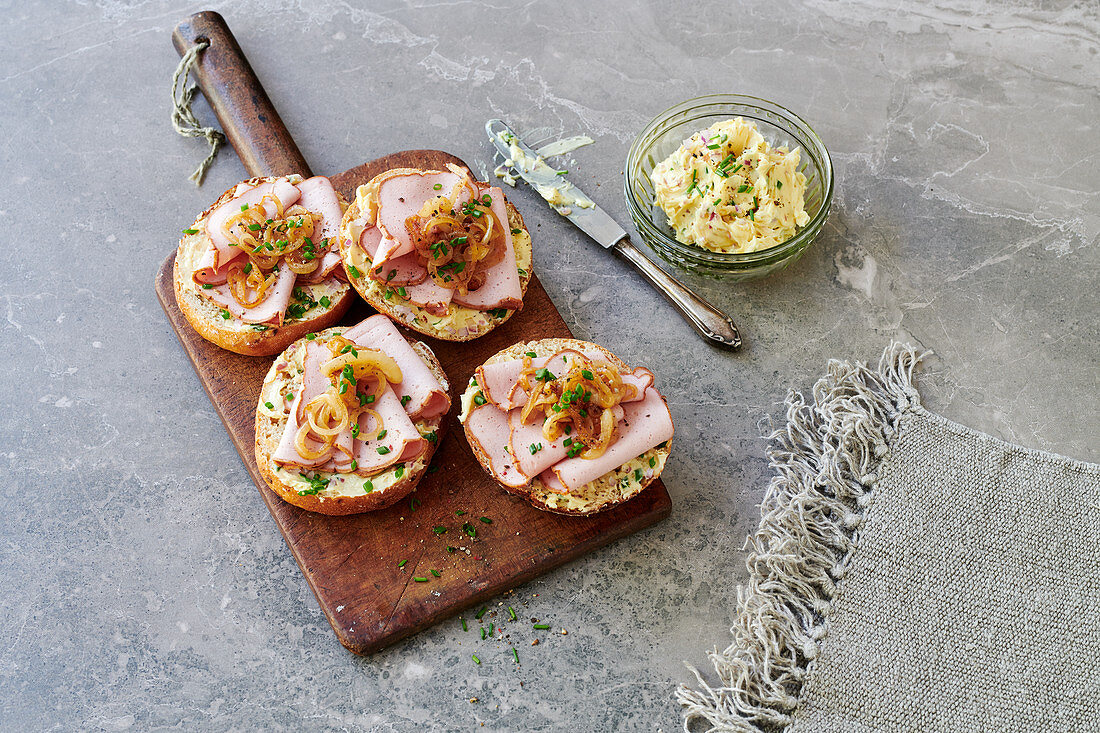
x,y
574,205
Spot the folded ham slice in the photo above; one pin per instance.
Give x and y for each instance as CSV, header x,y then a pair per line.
x,y
645,424
500,383
313,384
502,287
271,310
402,441
488,430
426,396
319,197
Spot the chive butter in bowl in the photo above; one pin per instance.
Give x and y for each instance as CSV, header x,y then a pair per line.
x,y
729,185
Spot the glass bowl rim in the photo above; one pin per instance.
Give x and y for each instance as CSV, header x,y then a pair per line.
x,y
649,230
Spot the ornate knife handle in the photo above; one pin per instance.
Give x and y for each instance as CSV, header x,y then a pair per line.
x,y
711,323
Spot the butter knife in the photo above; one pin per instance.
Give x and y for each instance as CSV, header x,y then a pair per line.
x,y
574,205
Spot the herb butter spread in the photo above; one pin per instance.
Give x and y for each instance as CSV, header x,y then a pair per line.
x,y
725,190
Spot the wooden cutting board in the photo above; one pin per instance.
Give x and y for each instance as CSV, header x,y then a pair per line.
x,y
352,563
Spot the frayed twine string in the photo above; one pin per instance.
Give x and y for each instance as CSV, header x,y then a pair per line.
x,y
824,464
183,119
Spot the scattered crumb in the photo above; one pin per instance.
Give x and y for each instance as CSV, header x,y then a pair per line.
x,y
535,642
564,632
473,699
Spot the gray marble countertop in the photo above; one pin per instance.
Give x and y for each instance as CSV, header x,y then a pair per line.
x,y
143,584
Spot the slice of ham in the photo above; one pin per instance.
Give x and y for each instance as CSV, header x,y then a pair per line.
x,y
404,270
488,430
427,398
226,251
207,271
502,288
369,240
329,264
500,383
319,197
645,424
270,310
313,384
520,439
402,196
402,441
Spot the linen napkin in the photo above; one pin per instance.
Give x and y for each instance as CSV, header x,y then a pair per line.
x,y
910,574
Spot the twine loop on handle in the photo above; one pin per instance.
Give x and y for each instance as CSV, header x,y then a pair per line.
x,y
183,119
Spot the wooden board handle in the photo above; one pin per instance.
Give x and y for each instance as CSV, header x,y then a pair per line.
x,y
244,110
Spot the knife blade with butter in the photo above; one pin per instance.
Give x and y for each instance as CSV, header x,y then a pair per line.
x,y
574,205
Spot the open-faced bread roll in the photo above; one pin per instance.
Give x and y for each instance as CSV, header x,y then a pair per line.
x,y
260,268
349,418
438,251
566,425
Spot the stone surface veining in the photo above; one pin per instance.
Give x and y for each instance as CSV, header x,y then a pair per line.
x,y
142,583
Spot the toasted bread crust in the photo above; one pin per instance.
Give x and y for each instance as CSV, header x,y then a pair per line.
x,y
204,316
269,433
602,497
415,317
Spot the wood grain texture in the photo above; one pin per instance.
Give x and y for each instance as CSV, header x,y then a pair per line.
x,y
244,110
351,562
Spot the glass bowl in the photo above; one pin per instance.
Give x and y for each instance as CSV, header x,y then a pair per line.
x,y
779,126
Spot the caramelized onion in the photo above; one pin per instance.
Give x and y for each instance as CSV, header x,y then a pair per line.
x,y
266,242
579,403
455,241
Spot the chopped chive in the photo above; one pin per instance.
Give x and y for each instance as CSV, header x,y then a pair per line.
x,y
459,513
482,632
420,580
269,406
476,660
381,435
225,314
354,464
354,271
207,286
778,185
479,399
190,231
515,654
438,186
586,374
310,336
541,626
325,302
383,450
439,530
532,354
638,475
481,613
413,504
435,572
244,207
401,564
511,613
400,470
486,520
652,461
368,487
491,627
406,400
463,624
